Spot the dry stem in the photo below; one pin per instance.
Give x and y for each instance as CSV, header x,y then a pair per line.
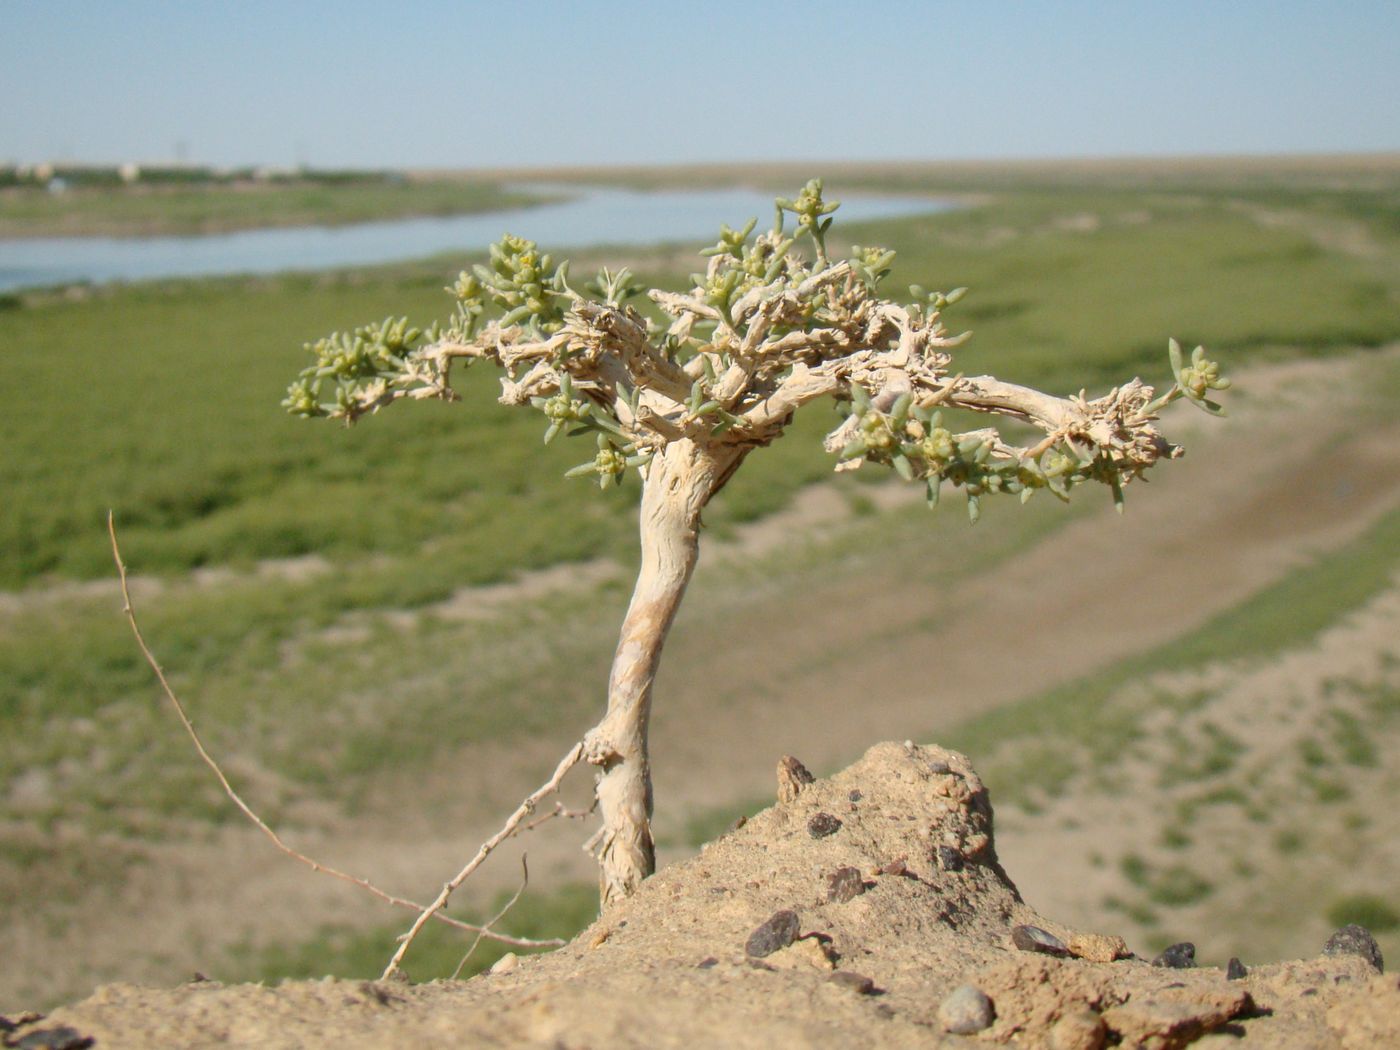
x,y
247,811
524,882
524,810
561,810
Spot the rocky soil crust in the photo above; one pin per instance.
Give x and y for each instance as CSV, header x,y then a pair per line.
x,y
865,909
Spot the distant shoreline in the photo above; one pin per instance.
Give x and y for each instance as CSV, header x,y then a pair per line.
x,y
193,211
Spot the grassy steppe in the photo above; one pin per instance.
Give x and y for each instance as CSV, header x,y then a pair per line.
x,y
318,545
160,401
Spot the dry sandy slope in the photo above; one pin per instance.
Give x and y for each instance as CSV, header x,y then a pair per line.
x,y
1243,819
879,645
927,908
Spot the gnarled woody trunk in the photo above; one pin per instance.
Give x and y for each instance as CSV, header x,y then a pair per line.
x,y
680,481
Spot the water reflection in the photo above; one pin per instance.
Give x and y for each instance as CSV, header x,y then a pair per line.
x,y
591,216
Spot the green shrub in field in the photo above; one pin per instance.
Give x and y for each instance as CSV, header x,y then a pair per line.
x,y
1365,909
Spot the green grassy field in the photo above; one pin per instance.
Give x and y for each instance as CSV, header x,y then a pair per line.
x,y
160,401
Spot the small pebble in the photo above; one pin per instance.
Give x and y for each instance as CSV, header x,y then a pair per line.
x,y
706,963
1178,957
1098,947
950,859
1236,970
776,932
505,964
1355,940
966,1010
793,778
855,795
844,884
737,823
1034,939
822,825
856,982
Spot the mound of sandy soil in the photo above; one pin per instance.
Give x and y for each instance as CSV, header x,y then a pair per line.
x,y
868,909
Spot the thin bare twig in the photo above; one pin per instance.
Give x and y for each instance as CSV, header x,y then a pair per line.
x,y
525,808
560,810
524,881
247,811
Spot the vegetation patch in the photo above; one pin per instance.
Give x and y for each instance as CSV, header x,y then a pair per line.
x,y
1364,909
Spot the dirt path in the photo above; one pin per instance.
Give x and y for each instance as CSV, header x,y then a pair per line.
x,y
873,647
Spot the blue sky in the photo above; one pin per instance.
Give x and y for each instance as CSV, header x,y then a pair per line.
x,y
440,84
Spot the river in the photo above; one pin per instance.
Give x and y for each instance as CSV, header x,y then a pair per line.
x,y
589,216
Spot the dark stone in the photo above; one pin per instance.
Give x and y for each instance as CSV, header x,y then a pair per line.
x,y
1180,956
855,795
950,859
1034,939
776,932
59,1038
856,982
898,866
9,1024
844,884
1355,940
966,1010
738,823
707,963
822,825
1236,970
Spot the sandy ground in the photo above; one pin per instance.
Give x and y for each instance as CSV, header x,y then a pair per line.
x,y
868,910
877,648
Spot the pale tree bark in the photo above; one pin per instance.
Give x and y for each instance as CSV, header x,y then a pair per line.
x,y
680,481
